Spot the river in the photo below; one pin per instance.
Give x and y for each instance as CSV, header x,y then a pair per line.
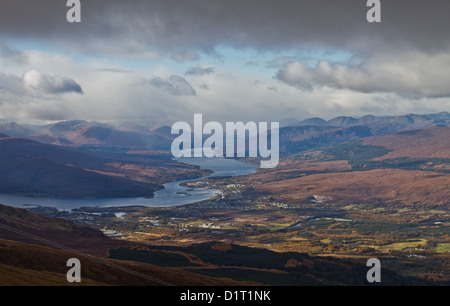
x,y
172,195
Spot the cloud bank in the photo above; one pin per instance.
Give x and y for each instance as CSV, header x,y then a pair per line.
x,y
34,82
183,28
156,59
414,75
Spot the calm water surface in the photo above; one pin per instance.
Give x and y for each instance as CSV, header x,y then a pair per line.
x,y
172,195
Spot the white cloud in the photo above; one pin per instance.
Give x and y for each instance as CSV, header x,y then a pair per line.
x,y
36,81
226,95
414,75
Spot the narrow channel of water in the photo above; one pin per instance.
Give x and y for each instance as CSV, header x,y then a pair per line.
x,y
172,195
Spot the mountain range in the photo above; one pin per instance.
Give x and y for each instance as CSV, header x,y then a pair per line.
x,y
400,163
316,132
79,133
411,120
80,159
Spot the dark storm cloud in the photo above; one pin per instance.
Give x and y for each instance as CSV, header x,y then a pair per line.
x,y
35,83
408,53
50,84
202,25
175,85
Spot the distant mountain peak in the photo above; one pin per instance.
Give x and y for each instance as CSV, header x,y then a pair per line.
x,y
343,121
313,121
421,120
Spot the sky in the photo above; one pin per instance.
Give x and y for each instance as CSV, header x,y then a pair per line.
x,y
161,61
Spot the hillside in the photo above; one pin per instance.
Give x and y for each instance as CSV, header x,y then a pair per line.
x,y
78,133
432,142
32,168
30,251
99,135
34,250
15,129
297,136
410,121
24,264
406,167
384,185
315,132
303,138
69,234
260,265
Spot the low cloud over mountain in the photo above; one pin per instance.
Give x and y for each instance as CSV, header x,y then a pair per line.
x,y
34,82
175,85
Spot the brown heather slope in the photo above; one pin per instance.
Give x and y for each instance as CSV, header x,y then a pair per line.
x,y
80,237
432,142
22,264
299,177
367,186
25,259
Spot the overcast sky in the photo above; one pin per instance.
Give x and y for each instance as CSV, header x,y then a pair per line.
x,y
250,60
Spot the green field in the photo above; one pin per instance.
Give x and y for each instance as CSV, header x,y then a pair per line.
x,y
443,248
